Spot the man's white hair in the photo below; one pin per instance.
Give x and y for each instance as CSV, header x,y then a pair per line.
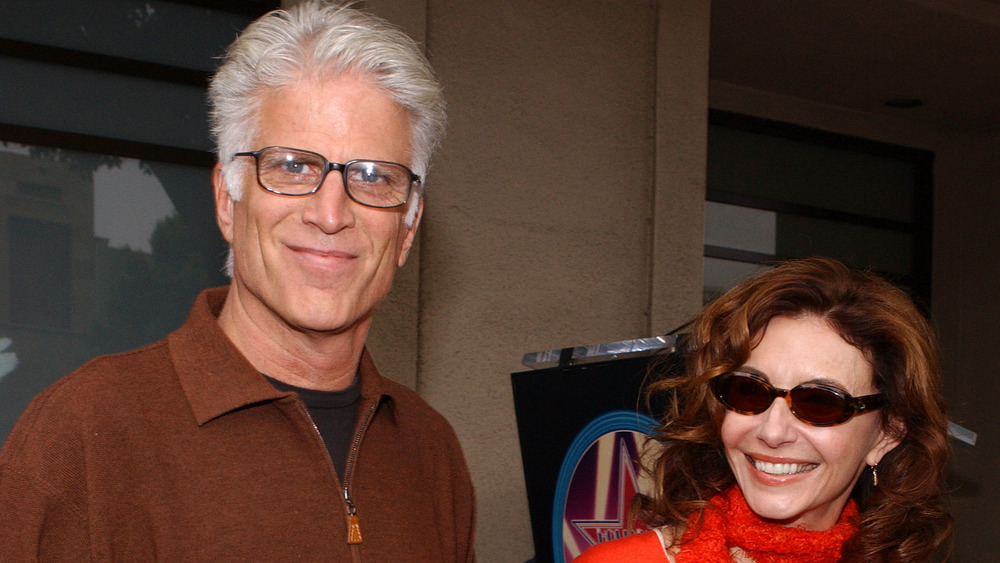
x,y
323,40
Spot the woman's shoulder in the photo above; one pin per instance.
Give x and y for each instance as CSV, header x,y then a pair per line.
x,y
646,547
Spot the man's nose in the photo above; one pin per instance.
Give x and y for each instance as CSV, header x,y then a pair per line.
x,y
330,208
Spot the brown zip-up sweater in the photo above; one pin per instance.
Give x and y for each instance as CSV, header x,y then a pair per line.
x,y
182,451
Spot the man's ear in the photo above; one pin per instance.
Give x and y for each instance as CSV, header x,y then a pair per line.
x,y
223,203
410,234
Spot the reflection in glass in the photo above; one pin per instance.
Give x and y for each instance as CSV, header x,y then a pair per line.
x,y
98,254
8,360
129,201
743,228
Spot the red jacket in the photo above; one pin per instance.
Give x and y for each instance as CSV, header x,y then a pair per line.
x,y
182,451
636,548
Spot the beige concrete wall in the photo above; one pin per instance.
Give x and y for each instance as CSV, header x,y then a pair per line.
x,y
565,208
680,143
541,219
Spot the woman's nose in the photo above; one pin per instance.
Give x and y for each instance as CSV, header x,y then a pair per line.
x,y
777,424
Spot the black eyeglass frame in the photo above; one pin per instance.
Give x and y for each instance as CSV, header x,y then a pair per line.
x,y
852,405
327,168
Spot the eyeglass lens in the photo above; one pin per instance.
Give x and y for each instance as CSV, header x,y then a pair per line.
x,y
813,404
369,182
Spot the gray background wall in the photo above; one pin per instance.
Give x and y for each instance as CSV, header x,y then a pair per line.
x,y
566,206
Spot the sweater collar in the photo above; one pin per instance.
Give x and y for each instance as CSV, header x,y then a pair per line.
x,y
217,378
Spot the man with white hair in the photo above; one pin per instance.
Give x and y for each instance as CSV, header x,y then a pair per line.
x,y
261,429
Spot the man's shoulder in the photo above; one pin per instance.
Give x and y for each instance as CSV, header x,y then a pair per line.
x,y
117,371
90,408
120,386
100,385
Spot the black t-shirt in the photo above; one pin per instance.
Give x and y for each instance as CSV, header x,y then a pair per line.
x,y
333,413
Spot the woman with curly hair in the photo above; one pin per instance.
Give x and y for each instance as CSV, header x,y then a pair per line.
x,y
808,427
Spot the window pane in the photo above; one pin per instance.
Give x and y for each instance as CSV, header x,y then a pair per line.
x,y
97,254
742,228
63,98
720,275
886,251
779,169
865,203
40,259
145,30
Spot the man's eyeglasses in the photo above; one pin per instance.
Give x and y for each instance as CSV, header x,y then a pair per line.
x,y
373,183
812,403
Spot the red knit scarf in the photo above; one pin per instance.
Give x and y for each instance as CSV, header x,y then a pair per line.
x,y
729,522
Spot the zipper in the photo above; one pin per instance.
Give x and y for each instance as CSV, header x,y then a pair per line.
x,y
353,526
354,537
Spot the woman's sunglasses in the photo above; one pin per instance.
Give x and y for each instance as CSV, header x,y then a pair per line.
x,y
812,403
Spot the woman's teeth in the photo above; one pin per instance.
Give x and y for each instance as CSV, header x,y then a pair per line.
x,y
782,468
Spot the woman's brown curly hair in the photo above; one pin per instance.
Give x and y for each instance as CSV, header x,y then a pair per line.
x,y
903,518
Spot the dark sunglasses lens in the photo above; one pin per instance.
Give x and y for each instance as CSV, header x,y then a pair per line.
x,y
818,406
746,394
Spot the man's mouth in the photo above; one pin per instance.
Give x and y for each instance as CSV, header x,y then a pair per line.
x,y
320,253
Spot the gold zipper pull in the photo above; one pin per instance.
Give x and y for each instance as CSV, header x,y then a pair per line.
x,y
353,525
353,530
